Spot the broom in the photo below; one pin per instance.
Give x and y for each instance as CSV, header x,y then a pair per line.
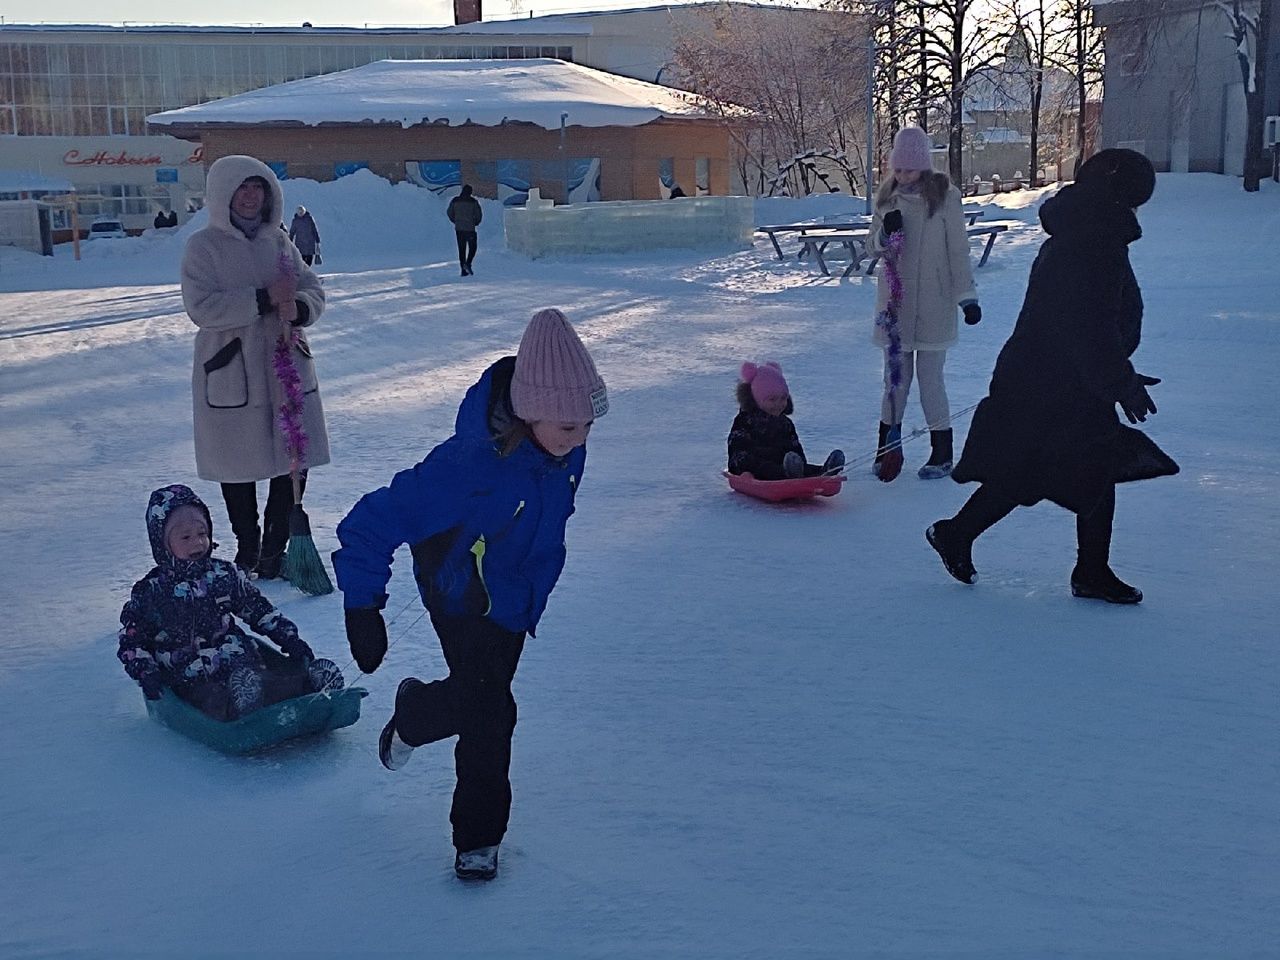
x,y
302,566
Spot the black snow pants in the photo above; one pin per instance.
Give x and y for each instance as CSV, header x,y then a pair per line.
x,y
466,247
242,508
988,506
475,704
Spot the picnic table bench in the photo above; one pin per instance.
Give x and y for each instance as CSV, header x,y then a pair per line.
x,y
989,229
849,223
816,242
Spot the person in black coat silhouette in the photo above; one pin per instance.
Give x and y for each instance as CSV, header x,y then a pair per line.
x,y
1048,428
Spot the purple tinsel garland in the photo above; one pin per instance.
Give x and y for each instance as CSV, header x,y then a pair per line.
x,y
887,320
290,420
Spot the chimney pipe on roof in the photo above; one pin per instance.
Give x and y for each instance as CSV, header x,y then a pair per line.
x,y
466,11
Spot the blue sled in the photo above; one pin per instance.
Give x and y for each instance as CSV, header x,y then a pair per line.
x,y
274,724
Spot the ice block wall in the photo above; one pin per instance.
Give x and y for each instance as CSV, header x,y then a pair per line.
x,y
622,226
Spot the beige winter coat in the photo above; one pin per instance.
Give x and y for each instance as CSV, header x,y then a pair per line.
x,y
935,270
236,394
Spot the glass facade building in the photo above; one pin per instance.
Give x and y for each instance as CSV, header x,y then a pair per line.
x,y
74,99
104,81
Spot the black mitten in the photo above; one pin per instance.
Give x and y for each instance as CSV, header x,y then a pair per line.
x,y
892,222
152,686
296,649
1135,401
367,635
972,313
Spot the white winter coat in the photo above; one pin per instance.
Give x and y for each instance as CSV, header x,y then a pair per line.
x,y
236,394
934,266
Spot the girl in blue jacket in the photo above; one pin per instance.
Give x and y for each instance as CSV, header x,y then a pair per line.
x,y
484,516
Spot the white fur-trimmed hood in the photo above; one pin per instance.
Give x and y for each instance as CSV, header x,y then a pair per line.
x,y
224,176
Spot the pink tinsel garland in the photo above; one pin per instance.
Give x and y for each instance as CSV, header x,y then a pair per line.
x,y
887,320
290,419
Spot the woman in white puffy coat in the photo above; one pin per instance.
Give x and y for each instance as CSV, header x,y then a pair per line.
x,y
936,280
245,285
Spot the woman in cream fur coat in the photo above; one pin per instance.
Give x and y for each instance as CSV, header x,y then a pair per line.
x,y
245,285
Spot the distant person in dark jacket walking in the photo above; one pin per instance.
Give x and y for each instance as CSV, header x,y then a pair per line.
x,y
465,215
1048,429
305,235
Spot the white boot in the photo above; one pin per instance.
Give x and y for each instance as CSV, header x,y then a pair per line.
x,y
392,751
478,864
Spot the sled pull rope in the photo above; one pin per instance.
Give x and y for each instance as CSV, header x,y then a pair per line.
x,y
917,432
392,643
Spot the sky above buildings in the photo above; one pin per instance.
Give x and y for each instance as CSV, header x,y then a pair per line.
x,y
428,13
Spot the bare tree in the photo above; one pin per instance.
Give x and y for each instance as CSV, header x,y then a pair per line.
x,y
1249,33
956,42
1078,49
790,67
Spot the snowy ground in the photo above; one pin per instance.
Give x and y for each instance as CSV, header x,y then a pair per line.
x,y
745,730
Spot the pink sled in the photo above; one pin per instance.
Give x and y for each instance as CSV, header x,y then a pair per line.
x,y
799,488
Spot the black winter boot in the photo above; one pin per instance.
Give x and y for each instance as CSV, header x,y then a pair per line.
x,y
275,526
1092,578
242,508
939,464
1102,584
888,462
955,550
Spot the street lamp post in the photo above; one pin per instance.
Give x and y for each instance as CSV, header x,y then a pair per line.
x,y
564,157
871,114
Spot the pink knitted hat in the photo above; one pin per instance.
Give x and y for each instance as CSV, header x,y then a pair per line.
x,y
555,378
911,150
765,379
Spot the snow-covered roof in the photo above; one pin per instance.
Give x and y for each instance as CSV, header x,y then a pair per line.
x,y
26,181
453,92
576,23
581,21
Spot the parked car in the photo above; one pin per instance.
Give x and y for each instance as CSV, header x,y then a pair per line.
x,y
106,227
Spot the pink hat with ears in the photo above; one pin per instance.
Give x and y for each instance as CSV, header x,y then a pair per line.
x,y
765,379
911,150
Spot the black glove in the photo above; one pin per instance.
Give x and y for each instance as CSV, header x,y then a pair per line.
x,y
972,313
367,634
1135,401
892,222
297,649
152,686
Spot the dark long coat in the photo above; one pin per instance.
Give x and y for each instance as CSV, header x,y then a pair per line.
x,y
1048,428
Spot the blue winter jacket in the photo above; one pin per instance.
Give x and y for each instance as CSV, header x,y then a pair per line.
x,y
486,531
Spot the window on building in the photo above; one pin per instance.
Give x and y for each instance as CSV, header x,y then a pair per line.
x,y
666,176
439,176
584,179
349,167
702,176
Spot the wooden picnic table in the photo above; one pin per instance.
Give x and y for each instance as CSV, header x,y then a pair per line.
x,y
849,223
816,241
988,228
